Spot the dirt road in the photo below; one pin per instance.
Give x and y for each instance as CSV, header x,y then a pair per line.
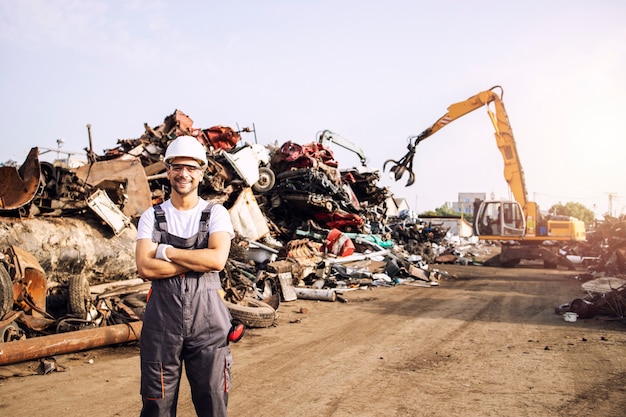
x,y
486,342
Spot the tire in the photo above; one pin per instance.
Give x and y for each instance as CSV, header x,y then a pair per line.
x,y
252,313
9,333
266,181
79,296
6,291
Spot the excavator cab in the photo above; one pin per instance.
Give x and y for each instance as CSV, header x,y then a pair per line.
x,y
500,219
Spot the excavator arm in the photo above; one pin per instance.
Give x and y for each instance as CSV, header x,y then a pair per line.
x,y
518,221
328,136
513,172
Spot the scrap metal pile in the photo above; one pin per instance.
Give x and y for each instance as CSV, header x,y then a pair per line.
x,y
604,284
304,229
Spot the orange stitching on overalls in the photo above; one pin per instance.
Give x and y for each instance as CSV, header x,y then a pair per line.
x,y
225,377
162,383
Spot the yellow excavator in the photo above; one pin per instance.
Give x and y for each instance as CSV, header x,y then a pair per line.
x,y
523,231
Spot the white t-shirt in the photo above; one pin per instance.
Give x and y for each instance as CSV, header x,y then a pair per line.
x,y
185,223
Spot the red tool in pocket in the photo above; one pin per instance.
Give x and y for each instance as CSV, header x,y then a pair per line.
x,y
236,332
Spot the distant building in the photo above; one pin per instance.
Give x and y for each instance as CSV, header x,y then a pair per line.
x,y
465,204
396,205
402,204
458,226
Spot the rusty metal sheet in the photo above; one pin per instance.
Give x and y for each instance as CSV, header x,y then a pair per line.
x,y
131,173
23,260
19,186
30,281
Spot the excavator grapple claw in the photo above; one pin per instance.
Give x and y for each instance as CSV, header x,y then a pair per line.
x,y
411,179
404,165
399,169
390,160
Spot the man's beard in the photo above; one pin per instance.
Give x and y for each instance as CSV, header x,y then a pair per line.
x,y
192,189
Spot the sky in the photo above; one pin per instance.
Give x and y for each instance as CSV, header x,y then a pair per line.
x,y
373,72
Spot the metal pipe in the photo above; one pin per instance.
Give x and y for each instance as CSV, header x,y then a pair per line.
x,y
316,294
102,288
56,344
261,246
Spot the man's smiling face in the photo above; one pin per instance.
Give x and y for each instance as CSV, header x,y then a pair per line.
x,y
184,174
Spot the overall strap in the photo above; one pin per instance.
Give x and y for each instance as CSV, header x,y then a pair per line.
x,y
203,229
160,234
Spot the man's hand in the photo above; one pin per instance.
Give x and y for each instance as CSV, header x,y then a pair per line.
x,y
160,252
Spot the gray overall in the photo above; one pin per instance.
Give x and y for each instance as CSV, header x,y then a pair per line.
x,y
185,321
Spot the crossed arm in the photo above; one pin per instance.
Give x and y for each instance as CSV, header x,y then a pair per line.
x,y
211,258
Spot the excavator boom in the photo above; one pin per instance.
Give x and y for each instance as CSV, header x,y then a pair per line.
x,y
513,173
328,136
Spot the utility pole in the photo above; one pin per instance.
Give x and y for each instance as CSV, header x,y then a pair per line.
x,y
90,154
611,196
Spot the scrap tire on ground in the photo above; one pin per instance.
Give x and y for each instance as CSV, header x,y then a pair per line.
x,y
6,291
252,313
79,296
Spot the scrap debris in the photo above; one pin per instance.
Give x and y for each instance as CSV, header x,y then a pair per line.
x,y
604,283
306,229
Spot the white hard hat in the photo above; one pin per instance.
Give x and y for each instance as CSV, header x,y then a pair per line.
x,y
186,146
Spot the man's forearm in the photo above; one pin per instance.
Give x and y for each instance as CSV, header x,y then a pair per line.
x,y
199,260
158,269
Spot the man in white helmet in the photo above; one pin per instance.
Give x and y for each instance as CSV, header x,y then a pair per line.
x,y
182,244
